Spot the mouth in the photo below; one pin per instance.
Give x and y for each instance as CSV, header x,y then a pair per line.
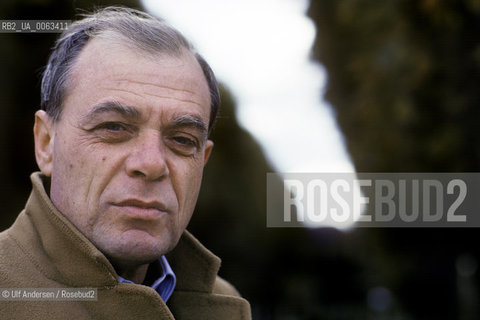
x,y
140,209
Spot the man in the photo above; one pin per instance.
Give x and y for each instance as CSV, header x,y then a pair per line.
x,y
121,143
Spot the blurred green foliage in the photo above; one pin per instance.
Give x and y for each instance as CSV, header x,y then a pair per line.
x,y
403,78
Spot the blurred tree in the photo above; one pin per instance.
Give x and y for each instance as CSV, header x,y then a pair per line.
x,y
403,78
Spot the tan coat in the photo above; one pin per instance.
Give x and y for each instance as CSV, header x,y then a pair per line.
x,y
42,249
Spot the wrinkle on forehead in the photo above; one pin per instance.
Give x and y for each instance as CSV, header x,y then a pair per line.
x,y
174,98
122,90
170,97
156,85
181,94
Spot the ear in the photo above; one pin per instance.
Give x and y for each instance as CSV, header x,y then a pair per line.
x,y
43,134
208,151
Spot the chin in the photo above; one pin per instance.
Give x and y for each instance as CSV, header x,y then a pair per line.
x,y
138,247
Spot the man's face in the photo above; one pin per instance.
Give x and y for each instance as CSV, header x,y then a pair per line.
x,y
129,149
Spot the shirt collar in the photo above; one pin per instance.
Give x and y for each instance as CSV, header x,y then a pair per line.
x,y
165,283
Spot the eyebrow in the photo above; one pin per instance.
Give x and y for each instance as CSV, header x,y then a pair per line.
x,y
115,107
134,114
191,121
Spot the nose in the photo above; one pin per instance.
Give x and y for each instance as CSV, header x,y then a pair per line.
x,y
147,159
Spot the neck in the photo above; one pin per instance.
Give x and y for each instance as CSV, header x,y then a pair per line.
x,y
136,275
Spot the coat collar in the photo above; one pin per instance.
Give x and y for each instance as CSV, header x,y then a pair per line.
x,y
56,247
195,266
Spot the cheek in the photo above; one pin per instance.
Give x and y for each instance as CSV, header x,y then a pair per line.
x,y
186,182
79,171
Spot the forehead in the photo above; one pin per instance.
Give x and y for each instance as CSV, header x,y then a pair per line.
x,y
107,67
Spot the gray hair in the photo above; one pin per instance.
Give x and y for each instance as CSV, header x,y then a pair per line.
x,y
133,28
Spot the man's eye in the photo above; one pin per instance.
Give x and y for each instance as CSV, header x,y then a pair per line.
x,y
113,132
185,141
183,145
112,126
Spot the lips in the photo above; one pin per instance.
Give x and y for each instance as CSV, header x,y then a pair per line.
x,y
140,209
